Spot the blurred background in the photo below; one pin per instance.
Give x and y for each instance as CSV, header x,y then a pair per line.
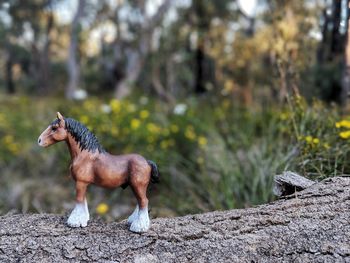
x,y
221,94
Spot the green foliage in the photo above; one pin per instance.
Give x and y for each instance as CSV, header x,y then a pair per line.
x,y
216,157
322,143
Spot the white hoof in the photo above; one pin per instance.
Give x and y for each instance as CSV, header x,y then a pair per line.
x,y
142,222
79,216
134,215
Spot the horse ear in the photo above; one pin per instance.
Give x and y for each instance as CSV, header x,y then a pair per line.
x,y
59,116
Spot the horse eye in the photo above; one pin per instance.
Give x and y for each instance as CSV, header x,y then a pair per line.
x,y
54,128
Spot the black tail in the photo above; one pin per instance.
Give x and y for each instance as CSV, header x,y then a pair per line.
x,y
154,172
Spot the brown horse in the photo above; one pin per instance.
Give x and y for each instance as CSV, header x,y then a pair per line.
x,y
91,164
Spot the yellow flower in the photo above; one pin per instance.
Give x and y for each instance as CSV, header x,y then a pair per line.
x,y
84,119
89,105
202,141
153,128
313,141
144,114
174,128
167,143
308,139
14,148
344,135
189,133
8,139
283,116
343,123
102,208
326,146
135,124
115,105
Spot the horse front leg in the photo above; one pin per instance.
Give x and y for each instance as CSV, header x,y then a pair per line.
x,y
80,214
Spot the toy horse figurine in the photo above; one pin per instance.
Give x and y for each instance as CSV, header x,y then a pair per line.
x,y
91,164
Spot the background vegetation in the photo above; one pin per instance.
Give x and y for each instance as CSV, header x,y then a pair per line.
x,y
223,95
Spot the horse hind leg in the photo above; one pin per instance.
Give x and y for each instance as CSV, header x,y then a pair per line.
x,y
140,219
134,215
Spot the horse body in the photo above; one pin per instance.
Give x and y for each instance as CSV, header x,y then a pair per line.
x,y
91,164
110,171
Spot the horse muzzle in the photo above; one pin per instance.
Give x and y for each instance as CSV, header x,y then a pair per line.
x,y
40,142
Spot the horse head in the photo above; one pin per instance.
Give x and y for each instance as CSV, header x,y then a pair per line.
x,y
54,133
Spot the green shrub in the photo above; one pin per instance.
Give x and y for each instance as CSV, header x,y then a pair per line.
x,y
211,155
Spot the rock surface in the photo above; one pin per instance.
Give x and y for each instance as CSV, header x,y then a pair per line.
x,y
309,226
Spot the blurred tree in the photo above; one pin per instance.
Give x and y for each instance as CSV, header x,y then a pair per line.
x,y
181,64
201,15
32,30
266,58
346,69
27,29
73,66
131,52
330,53
174,49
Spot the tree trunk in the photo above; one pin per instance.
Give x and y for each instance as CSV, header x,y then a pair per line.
x,y
73,66
44,58
337,39
308,226
10,86
170,77
158,86
202,26
322,47
346,70
132,72
136,58
199,62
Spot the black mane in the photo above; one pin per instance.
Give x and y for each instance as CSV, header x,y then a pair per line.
x,y
85,138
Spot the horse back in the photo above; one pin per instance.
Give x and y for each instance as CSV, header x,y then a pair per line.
x,y
120,170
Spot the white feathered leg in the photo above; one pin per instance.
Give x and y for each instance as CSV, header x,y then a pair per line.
x,y
134,215
142,222
79,216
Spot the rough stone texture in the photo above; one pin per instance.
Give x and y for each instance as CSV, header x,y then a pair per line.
x,y
310,226
289,182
